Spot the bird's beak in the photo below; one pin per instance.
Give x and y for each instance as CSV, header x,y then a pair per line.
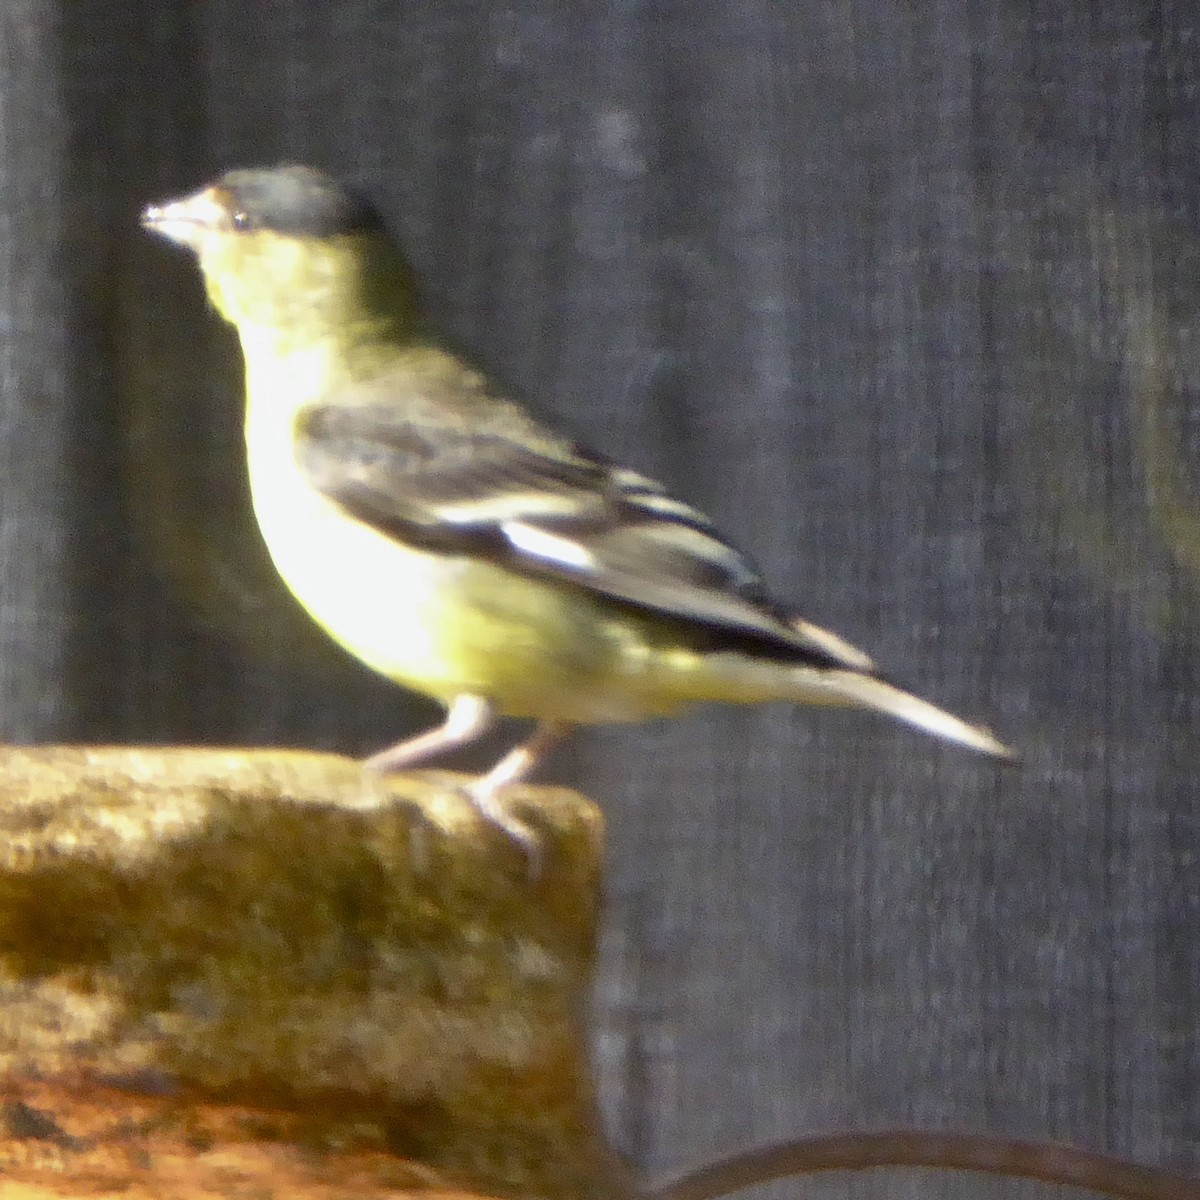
x,y
187,220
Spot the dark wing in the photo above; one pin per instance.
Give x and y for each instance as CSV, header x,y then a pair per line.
x,y
482,478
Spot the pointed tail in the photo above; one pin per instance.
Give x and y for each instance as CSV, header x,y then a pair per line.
x,y
867,691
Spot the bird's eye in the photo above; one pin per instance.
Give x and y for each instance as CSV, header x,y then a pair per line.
x,y
241,220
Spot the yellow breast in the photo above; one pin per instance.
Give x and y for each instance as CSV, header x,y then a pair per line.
x,y
439,624
446,624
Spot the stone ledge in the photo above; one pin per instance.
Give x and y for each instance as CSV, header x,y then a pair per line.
x,y
272,962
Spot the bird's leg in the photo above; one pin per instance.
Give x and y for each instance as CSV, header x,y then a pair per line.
x,y
514,767
469,717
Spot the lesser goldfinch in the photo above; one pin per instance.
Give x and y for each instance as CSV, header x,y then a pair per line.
x,y
453,542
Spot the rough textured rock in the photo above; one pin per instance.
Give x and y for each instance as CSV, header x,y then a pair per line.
x,y
226,968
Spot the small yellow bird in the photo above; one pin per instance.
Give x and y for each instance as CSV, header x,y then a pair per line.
x,y
454,543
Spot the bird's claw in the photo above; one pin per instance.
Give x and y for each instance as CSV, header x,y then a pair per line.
x,y
527,839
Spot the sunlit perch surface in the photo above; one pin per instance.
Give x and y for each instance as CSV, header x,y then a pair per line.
x,y
452,541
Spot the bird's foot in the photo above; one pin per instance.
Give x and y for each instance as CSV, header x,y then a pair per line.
x,y
468,718
513,768
484,795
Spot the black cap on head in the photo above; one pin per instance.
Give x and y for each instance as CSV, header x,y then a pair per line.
x,y
295,200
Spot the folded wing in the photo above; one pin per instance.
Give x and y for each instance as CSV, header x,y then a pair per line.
x,y
432,459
